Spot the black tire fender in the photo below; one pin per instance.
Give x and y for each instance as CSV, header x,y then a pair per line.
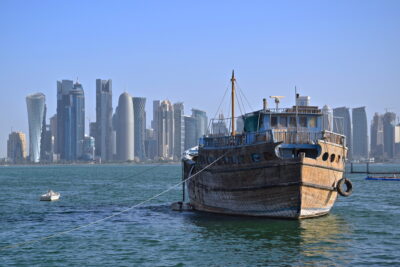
x,y
349,189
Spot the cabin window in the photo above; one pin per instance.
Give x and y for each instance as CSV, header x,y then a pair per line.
x,y
274,121
292,121
312,122
303,121
325,156
256,157
283,122
332,157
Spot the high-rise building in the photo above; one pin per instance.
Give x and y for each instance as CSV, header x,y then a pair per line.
x,y
389,123
165,130
36,114
104,111
190,132
124,128
342,124
360,133
70,119
377,136
219,126
179,130
201,122
88,148
154,122
150,144
327,118
16,147
139,105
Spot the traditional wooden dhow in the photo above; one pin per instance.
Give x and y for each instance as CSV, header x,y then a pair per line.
x,y
282,164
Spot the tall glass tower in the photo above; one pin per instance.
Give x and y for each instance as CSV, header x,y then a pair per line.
x,y
139,105
179,131
104,110
36,112
360,133
70,120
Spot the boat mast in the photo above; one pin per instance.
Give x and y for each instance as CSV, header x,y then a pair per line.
x,y
233,102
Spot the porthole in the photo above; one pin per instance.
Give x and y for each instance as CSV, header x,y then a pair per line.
x,y
256,157
332,157
338,159
325,156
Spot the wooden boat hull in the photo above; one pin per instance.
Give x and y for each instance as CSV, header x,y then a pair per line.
x,y
295,188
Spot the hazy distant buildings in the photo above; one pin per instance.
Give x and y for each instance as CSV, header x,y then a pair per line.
x,y
16,147
139,105
88,148
389,119
342,124
377,136
179,130
70,119
150,144
154,122
190,132
201,122
360,133
165,130
327,118
104,110
36,112
124,128
219,126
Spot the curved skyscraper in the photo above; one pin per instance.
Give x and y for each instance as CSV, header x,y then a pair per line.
x,y
125,128
36,106
139,104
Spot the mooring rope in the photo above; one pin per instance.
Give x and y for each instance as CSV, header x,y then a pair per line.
x,y
112,215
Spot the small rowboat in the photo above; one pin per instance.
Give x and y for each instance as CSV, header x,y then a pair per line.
x,y
50,196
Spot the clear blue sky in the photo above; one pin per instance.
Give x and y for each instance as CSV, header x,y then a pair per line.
x,y
338,52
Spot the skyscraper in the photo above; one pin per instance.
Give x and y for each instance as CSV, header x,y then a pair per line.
x,y
104,110
360,133
201,122
303,101
139,105
389,119
344,125
179,130
327,118
154,122
125,128
190,132
377,136
219,126
70,119
36,112
16,147
165,130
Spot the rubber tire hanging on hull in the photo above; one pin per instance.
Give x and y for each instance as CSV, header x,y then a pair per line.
x,y
349,189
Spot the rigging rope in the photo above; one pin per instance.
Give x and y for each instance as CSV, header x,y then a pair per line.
x,y
112,215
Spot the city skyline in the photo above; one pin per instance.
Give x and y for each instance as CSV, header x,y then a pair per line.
x,y
340,54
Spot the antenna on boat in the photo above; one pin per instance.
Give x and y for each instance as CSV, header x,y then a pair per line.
x,y
233,102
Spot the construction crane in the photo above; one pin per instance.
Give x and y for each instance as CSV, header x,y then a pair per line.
x,y
277,100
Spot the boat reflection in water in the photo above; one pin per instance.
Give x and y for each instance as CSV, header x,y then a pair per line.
x,y
263,241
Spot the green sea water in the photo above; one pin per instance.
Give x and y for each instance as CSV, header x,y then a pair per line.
x,y
363,229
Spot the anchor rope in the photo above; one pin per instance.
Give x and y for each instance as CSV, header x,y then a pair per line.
x,y
112,215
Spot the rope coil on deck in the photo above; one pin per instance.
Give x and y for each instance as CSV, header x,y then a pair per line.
x,y
112,215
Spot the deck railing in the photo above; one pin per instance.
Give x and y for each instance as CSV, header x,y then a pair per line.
x,y
274,136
